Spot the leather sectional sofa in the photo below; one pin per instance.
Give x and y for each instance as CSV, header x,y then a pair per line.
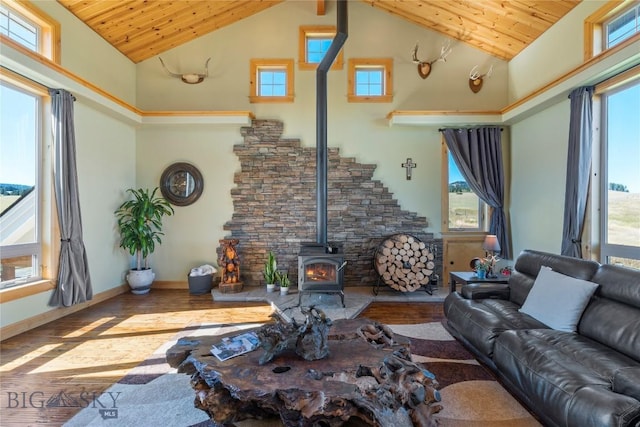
x,y
590,377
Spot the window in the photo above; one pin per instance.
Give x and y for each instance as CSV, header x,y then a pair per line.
x,y
462,209
622,27
20,237
31,28
314,41
611,25
370,80
271,80
19,29
620,174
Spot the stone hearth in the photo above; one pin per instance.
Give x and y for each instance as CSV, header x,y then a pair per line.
x,y
356,299
274,206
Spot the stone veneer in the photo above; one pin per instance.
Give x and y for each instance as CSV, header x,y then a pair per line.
x,y
275,207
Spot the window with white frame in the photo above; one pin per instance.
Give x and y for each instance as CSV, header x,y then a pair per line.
x,y
611,25
18,28
462,209
29,27
370,80
271,80
20,236
620,175
622,26
314,41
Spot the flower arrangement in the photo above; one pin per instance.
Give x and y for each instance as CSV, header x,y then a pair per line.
x,y
483,264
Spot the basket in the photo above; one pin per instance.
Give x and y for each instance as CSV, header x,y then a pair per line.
x,y
199,285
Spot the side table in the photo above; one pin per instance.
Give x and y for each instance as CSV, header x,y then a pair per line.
x,y
467,277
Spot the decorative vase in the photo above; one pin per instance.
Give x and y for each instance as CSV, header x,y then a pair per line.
x,y
482,274
284,290
271,287
140,281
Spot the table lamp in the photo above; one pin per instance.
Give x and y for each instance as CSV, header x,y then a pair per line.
x,y
492,246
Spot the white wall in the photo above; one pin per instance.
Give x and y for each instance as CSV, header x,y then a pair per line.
x,y
106,166
192,233
273,33
556,52
89,56
359,130
114,156
538,162
105,153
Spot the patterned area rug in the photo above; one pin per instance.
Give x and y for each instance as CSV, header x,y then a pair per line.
x,y
153,394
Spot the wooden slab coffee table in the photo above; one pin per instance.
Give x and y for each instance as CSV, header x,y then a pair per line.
x,y
358,380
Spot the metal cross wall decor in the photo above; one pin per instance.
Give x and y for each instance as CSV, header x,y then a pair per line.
x,y
409,165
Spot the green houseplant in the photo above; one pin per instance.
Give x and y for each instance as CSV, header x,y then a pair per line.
x,y
283,279
270,271
140,225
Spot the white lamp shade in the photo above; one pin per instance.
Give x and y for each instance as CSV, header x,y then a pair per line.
x,y
491,243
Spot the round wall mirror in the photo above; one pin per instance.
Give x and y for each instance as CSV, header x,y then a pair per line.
x,y
181,184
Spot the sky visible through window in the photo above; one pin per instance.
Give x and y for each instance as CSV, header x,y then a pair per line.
x,y
316,48
18,129
623,27
273,83
18,115
18,29
369,82
624,138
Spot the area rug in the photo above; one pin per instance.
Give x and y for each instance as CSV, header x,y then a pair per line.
x,y
154,394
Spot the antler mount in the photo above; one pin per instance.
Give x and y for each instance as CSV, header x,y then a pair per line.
x,y
189,78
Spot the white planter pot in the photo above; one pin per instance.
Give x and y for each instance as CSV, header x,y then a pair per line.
x,y
140,281
271,287
284,291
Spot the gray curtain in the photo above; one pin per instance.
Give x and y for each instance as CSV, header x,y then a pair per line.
x,y
578,170
478,154
74,283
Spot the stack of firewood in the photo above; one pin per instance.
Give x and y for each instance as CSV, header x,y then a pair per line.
x,y
404,262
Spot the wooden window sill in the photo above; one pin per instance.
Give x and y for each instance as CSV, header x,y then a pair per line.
x,y
21,291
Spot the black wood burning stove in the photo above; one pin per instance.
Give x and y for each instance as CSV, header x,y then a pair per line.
x,y
320,269
320,266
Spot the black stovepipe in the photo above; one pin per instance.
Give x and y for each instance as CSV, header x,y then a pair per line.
x,y
321,122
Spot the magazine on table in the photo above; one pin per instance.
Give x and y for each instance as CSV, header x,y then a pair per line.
x,y
235,346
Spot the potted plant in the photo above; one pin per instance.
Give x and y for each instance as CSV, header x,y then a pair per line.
x,y
482,266
283,278
140,226
270,272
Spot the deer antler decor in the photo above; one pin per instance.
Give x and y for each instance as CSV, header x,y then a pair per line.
x,y
476,79
424,67
189,78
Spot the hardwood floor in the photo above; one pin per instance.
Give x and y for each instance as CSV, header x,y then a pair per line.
x,y
82,354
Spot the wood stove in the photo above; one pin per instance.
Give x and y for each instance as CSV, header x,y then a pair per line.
x,y
320,269
320,266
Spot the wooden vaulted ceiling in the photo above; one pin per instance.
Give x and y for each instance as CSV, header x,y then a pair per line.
x,y
141,29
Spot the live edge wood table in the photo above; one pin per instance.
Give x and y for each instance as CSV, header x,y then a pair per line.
x,y
357,383
468,277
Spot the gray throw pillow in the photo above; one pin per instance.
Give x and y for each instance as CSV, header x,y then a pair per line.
x,y
558,300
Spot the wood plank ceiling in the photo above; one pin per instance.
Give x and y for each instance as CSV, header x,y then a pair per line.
x,y
141,29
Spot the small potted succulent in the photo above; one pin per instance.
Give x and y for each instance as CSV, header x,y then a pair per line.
x,y
283,279
270,272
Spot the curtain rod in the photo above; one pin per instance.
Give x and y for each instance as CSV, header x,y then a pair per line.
x,y
35,82
443,129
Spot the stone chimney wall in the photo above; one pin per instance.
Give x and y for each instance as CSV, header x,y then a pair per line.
x,y
275,207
